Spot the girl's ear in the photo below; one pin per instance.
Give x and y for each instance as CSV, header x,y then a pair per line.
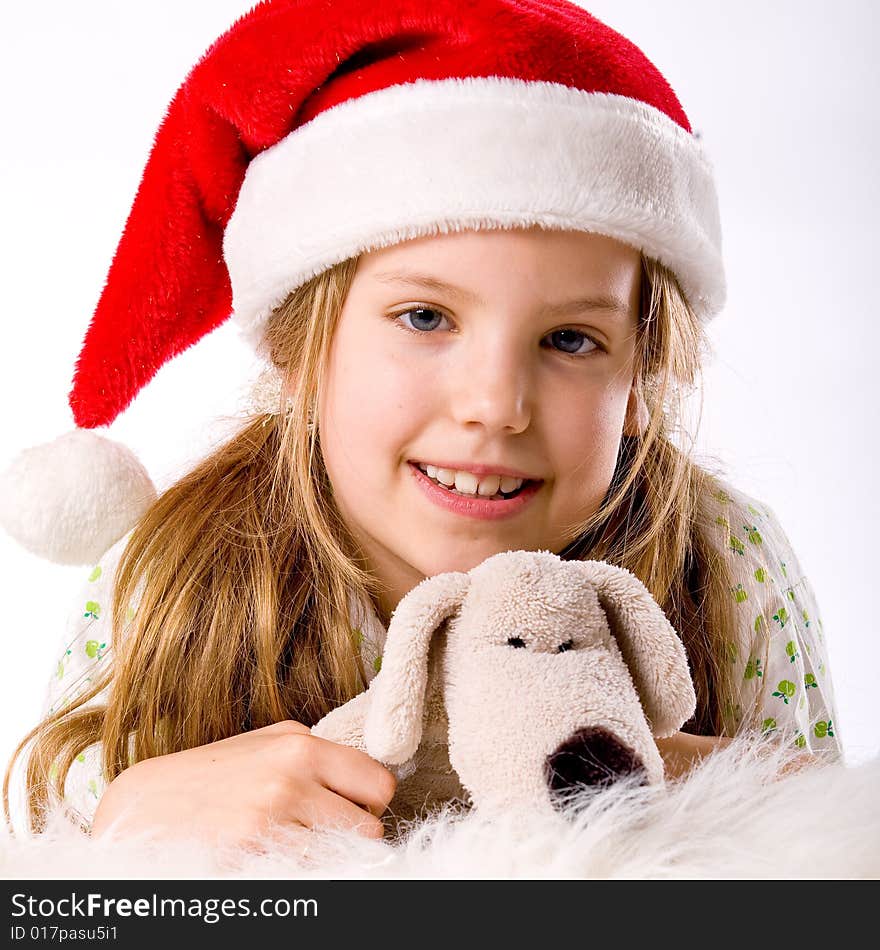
x,y
288,385
637,416
393,726
265,393
651,648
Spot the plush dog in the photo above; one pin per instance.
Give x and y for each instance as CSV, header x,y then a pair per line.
x,y
518,681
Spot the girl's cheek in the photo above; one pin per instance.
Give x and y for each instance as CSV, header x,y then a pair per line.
x,y
586,417
375,390
404,379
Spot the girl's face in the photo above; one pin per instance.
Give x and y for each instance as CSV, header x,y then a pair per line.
x,y
470,351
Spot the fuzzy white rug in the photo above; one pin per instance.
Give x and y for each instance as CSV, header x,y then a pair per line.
x,y
735,817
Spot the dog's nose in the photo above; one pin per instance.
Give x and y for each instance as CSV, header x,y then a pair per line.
x,y
592,756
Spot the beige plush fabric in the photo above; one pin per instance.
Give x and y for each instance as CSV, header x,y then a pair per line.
x,y
520,679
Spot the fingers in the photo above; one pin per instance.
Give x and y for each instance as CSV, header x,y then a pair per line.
x,y
353,784
354,775
326,809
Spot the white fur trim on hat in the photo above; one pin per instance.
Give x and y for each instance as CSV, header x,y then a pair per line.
x,y
438,156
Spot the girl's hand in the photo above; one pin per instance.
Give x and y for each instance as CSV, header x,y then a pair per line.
x,y
682,751
230,792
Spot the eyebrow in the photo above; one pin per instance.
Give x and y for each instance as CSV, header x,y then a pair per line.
x,y
594,302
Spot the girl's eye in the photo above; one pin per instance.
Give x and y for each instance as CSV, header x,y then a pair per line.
x,y
569,341
572,342
421,318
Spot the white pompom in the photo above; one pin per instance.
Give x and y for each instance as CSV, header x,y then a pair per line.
x,y
71,499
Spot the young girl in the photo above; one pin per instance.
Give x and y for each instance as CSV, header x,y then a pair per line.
x,y
477,247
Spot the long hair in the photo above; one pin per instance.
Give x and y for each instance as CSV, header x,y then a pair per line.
x,y
242,570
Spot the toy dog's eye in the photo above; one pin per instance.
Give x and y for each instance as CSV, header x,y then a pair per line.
x,y
516,642
568,645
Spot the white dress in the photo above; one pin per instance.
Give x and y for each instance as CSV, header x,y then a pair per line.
x,y
780,659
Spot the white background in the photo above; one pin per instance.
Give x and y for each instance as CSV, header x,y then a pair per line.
x,y
784,95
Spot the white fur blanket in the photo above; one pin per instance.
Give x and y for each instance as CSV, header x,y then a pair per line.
x,y
735,817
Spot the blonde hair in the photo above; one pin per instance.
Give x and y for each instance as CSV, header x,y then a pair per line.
x,y
242,569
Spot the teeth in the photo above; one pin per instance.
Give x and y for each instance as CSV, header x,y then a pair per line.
x,y
445,476
469,484
489,485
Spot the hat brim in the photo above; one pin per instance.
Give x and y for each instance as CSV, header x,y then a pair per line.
x,y
436,156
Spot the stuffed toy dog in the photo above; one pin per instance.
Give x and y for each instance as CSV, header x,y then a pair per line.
x,y
518,681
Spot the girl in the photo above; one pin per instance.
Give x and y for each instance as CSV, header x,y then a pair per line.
x,y
477,334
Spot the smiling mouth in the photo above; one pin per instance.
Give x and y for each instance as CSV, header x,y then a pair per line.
x,y
498,496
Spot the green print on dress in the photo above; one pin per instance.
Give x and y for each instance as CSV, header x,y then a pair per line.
x,y
759,623
96,573
739,594
810,681
760,575
806,617
821,729
785,689
792,651
781,616
784,571
800,740
721,520
62,664
736,545
753,668
753,534
93,609
377,664
722,496
768,725
95,650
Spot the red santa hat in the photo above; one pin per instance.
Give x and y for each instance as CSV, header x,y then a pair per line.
x,y
311,132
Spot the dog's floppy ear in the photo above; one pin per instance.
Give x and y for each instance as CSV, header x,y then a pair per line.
x,y
651,648
393,726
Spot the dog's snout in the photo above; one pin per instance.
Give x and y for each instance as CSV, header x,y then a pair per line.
x,y
593,757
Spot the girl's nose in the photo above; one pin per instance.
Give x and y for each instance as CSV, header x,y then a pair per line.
x,y
493,390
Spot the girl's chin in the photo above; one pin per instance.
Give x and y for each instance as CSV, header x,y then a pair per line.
x,y
440,563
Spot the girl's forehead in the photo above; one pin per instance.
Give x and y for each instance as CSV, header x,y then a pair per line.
x,y
541,256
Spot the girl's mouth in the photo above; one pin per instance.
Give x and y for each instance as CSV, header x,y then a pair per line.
x,y
481,507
